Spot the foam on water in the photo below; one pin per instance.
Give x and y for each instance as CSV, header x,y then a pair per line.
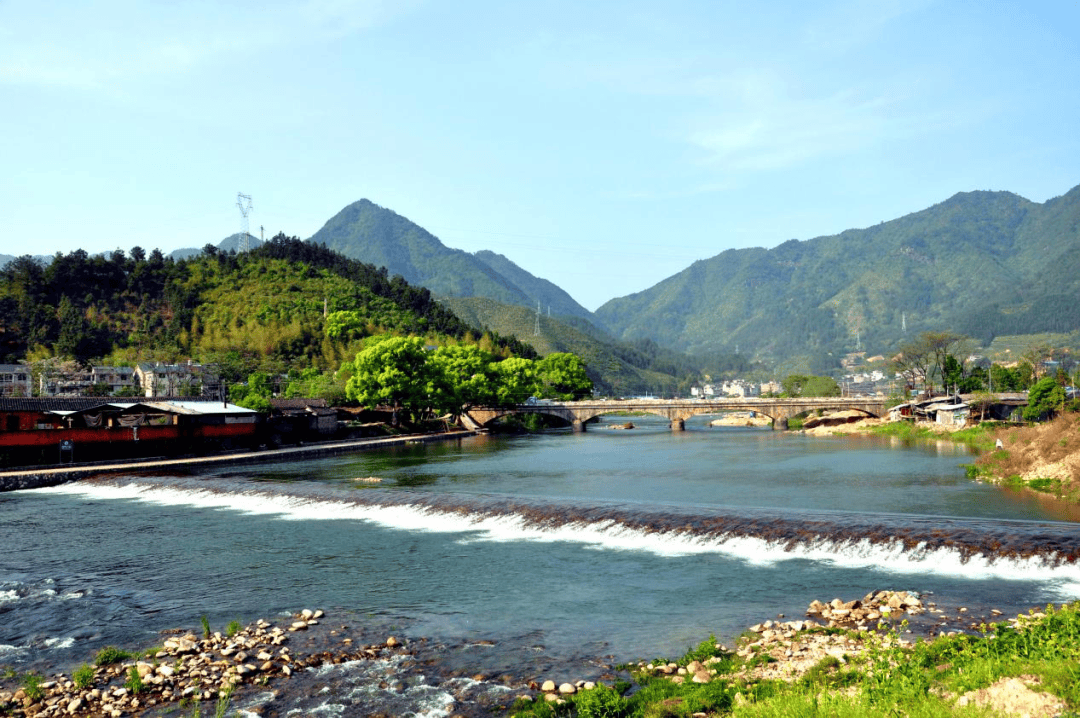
x,y
892,557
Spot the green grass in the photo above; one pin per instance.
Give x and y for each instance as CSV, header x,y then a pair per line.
x,y
922,680
83,677
109,655
134,682
31,685
233,628
979,436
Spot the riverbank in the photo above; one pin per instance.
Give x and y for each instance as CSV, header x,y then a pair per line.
x,y
1043,458
1026,666
40,477
859,657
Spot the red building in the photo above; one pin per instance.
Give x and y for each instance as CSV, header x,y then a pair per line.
x,y
50,430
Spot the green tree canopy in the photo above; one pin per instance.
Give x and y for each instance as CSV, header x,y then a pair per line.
x,y
804,385
462,376
563,377
1044,399
515,380
394,372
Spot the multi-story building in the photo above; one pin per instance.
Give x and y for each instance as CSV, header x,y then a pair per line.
x,y
15,380
187,379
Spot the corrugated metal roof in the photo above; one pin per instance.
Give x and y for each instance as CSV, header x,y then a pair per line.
x,y
76,404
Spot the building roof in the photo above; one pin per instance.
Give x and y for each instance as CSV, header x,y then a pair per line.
x,y
68,405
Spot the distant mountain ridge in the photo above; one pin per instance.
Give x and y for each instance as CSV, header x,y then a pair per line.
x,y
370,233
979,263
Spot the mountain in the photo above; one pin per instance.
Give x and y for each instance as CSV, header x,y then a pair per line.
x,y
605,364
271,307
552,299
980,263
230,243
379,236
41,259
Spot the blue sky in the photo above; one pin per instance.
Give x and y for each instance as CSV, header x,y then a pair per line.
x,y
604,146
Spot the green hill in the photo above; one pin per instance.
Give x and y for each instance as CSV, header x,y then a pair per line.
x,y
614,369
267,308
373,234
980,263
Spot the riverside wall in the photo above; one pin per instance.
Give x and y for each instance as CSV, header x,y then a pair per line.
x,y
40,477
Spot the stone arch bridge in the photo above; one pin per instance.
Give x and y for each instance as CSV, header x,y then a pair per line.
x,y
677,411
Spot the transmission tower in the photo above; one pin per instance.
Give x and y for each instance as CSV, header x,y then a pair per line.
x,y
536,331
243,201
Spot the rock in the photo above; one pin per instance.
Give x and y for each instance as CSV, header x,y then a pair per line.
x,y
548,686
391,642
567,689
75,706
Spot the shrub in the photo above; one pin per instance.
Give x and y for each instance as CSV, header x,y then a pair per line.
x,y
110,655
31,684
83,677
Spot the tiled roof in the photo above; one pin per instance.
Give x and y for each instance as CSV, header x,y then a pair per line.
x,y
298,403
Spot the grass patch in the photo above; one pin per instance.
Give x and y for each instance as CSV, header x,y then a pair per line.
x,y
233,628
31,685
109,655
83,677
920,680
134,682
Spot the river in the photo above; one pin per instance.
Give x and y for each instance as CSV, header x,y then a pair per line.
x,y
551,555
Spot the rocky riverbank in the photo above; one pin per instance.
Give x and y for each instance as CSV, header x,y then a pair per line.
x,y
274,670
184,671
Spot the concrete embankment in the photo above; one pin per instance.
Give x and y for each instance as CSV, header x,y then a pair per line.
x,y
39,477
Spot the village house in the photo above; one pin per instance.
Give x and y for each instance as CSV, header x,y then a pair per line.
x,y
187,379
118,378
15,380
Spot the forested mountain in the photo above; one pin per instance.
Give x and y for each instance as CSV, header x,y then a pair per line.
x,y
376,235
980,263
551,299
615,368
287,304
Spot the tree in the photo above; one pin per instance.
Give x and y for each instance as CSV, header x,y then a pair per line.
x,y
925,356
563,377
394,372
1044,399
809,385
515,380
462,377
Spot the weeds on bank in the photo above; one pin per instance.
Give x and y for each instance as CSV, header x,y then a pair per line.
x,y
109,655
920,680
221,708
83,676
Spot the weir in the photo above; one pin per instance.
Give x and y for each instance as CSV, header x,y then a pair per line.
x,y
976,546
678,411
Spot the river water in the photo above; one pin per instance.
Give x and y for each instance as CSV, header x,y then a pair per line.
x,y
551,555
